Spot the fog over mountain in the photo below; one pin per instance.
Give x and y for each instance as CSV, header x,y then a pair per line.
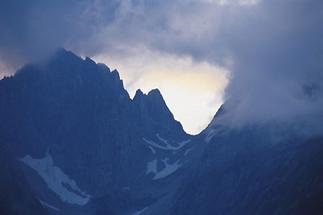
x,y
73,141
81,143
272,48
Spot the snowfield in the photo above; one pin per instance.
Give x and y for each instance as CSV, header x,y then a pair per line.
x,y
57,180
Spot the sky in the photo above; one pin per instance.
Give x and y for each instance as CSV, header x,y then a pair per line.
x,y
262,58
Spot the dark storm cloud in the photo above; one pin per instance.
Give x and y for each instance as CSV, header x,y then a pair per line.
x,y
32,29
273,48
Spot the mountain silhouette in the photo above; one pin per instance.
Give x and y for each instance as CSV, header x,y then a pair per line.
x,y
74,142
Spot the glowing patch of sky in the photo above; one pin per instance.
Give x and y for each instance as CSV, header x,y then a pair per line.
x,y
192,90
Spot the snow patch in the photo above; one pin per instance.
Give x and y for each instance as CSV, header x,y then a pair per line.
x,y
161,139
57,180
45,204
187,151
140,211
168,170
210,134
152,149
183,143
151,167
168,146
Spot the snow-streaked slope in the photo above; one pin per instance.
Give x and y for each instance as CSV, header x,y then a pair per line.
x,y
47,205
168,156
151,167
165,145
94,131
168,168
56,180
140,211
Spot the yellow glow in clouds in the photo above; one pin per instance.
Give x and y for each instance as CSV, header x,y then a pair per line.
x,y
192,90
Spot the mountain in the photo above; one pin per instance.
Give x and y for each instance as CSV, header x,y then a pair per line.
x,y
84,145
262,169
74,142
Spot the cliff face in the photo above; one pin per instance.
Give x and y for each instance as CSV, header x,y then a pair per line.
x,y
74,119
16,195
264,169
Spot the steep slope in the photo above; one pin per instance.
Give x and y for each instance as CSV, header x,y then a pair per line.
x,y
16,196
84,144
257,169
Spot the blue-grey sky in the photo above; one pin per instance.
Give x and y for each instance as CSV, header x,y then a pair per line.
x,y
265,56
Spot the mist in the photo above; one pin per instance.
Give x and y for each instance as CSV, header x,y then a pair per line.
x,y
273,49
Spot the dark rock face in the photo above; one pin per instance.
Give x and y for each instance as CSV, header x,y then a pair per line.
x,y
16,195
74,142
258,169
75,115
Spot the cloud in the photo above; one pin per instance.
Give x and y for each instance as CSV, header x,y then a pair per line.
x,y
273,48
277,64
239,2
30,30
